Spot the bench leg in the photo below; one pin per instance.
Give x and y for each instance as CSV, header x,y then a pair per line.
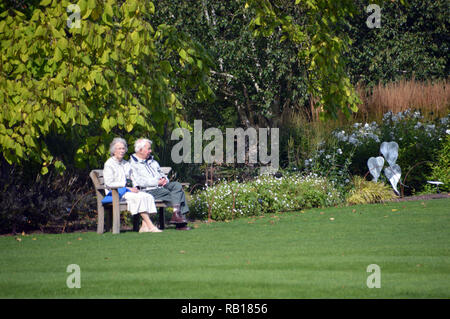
x,y
161,218
116,220
100,219
116,212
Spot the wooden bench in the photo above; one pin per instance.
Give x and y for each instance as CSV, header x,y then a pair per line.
x,y
118,206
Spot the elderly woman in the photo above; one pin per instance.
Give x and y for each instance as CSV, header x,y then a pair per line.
x,y
115,174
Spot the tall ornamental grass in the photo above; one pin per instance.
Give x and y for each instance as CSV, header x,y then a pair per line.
x,y
431,98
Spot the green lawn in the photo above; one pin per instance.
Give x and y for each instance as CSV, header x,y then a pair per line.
x,y
290,255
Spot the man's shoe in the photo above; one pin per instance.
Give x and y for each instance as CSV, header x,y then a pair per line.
x,y
177,219
182,227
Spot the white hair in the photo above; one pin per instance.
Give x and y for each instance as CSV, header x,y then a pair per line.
x,y
140,143
112,146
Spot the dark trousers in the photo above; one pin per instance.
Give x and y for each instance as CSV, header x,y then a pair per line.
x,y
173,193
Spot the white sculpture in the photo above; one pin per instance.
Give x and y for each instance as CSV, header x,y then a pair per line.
x,y
375,165
393,172
389,151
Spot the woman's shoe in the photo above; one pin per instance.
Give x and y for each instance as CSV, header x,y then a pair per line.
x,y
155,230
143,229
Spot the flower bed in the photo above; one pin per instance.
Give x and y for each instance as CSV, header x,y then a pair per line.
x,y
265,194
419,142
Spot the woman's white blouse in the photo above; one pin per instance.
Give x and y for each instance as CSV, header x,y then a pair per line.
x,y
115,173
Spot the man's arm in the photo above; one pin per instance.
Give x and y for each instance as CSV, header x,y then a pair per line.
x,y
141,177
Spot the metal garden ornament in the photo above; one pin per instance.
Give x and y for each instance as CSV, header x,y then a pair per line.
x,y
393,172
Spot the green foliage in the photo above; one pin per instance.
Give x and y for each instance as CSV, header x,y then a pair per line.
x,y
369,192
343,152
266,194
111,75
254,79
419,142
441,168
320,42
45,203
258,79
412,42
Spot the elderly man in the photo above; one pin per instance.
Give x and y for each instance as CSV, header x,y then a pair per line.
x,y
147,176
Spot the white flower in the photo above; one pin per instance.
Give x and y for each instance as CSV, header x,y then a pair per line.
x,y
447,131
341,136
352,140
339,151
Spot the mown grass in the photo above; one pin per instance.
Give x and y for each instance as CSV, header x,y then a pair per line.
x,y
287,255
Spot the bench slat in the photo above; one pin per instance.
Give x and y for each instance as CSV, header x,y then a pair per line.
x,y
166,170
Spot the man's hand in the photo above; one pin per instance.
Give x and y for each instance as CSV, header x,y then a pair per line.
x,y
162,181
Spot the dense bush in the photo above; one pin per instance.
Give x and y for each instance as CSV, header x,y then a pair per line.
x,y
47,203
441,168
418,140
265,194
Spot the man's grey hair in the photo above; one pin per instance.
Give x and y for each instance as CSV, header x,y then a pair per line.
x,y
140,143
112,146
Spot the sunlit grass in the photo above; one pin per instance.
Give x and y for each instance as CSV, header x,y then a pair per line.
x,y
318,253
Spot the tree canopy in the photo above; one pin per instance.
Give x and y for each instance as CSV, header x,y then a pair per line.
x,y
113,73
138,67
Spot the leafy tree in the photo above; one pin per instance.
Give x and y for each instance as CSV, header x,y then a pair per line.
x,y
320,42
111,74
412,41
255,80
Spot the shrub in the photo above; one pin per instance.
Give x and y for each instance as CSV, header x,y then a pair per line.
x,y
44,203
441,169
418,145
367,192
265,194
